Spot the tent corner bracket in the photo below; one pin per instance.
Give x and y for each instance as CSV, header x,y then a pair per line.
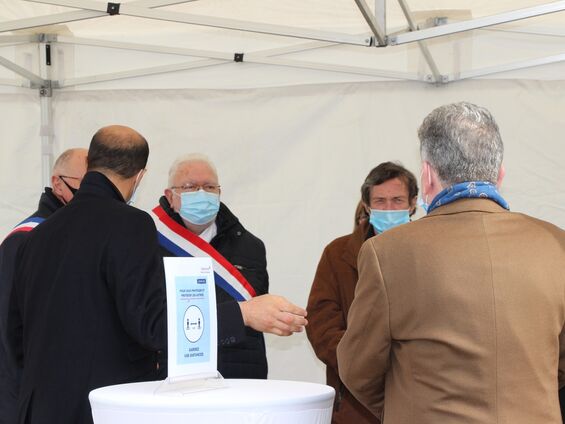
x,y
442,79
45,89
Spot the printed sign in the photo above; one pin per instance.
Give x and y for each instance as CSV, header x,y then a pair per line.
x,y
191,318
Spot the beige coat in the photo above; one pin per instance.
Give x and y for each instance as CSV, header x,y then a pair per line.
x,y
458,318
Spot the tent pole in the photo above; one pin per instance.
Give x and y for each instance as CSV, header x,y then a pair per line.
x,y
45,104
130,9
436,75
477,23
378,31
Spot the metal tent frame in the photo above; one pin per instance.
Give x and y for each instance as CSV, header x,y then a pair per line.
x,y
375,36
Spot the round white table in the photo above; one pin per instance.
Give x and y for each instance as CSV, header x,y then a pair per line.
x,y
240,401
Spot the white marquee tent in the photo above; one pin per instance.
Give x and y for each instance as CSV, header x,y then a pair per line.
x,y
294,100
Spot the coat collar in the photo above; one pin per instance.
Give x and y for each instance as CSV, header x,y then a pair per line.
x,y
98,185
356,239
48,203
467,205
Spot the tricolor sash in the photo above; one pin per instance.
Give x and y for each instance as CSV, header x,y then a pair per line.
x,y
181,242
27,225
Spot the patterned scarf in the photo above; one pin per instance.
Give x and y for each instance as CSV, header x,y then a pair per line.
x,y
468,190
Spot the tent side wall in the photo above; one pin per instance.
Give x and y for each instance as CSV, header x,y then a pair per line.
x,y
291,160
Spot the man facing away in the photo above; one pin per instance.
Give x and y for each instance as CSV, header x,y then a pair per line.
x,y
67,173
88,305
192,221
459,316
388,197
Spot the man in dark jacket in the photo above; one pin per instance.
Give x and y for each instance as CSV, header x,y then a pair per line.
x,y
67,174
192,221
88,306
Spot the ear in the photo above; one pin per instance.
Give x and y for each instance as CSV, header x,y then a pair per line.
x,y
426,177
501,175
169,195
56,185
412,207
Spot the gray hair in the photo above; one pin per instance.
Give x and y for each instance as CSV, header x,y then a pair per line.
x,y
188,159
461,141
60,165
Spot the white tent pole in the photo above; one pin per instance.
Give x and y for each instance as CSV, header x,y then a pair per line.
x,y
138,72
234,24
14,83
436,74
45,104
482,22
8,40
510,67
376,28
35,79
380,14
76,15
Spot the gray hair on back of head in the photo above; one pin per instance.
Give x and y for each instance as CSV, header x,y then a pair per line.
x,y
61,162
187,159
462,142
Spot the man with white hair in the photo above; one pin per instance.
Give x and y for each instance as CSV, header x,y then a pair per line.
x,y
459,316
67,173
192,221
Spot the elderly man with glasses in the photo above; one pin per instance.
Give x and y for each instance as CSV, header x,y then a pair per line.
x,y
67,174
192,221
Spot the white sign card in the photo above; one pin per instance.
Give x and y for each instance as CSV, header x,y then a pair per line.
x,y
191,319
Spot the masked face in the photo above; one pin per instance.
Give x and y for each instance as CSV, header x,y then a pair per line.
x,y
199,207
385,220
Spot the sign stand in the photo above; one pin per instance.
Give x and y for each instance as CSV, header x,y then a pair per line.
x,y
192,327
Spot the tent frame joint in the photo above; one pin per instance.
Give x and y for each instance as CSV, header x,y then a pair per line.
x,y
45,89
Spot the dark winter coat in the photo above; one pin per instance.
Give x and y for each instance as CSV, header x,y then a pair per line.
x,y
240,356
10,374
88,305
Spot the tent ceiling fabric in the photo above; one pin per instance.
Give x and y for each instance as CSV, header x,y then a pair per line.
x,y
171,54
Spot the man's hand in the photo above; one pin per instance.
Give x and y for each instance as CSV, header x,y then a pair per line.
x,y
273,314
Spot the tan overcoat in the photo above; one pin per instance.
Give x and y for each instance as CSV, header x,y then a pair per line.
x,y
458,318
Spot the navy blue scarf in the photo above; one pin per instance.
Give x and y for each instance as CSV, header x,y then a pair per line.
x,y
468,190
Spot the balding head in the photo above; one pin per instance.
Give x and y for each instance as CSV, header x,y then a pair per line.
x,y
71,162
119,150
67,173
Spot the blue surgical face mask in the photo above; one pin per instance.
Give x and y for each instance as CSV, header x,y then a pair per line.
x,y
199,207
423,204
385,220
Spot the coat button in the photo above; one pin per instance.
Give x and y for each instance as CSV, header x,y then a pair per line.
x,y
239,233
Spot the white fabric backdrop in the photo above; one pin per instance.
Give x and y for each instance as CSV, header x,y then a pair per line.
x,y
291,160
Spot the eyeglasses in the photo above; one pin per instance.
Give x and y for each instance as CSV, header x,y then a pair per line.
x,y
72,178
191,188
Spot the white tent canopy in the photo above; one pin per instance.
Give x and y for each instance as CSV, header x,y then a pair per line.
x,y
294,121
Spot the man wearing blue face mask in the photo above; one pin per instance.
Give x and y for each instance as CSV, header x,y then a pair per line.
x,y
192,221
459,317
389,196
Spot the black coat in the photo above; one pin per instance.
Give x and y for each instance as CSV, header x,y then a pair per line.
x,y
88,305
240,354
10,374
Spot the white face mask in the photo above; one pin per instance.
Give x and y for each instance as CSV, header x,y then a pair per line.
x,y
133,196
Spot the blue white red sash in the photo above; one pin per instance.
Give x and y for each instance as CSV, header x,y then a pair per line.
x,y
27,225
181,242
